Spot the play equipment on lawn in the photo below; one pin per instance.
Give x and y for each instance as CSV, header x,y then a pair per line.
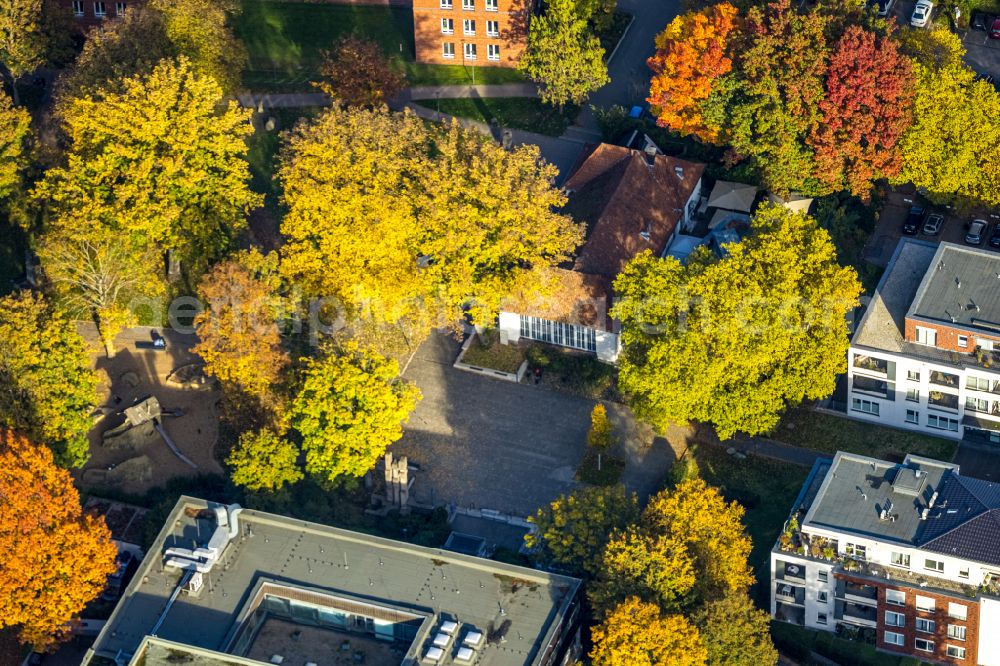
x,y
148,411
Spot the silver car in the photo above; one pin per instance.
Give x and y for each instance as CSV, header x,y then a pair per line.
x,y
977,229
933,224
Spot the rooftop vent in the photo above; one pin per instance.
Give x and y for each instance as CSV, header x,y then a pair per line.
x,y
650,152
679,171
644,232
203,559
908,481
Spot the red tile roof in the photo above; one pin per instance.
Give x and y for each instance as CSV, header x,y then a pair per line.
x,y
568,296
619,195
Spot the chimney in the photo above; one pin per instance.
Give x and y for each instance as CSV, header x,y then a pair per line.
x,y
650,152
644,233
679,172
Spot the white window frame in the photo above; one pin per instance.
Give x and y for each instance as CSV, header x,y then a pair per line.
x,y
821,618
492,28
572,336
78,8
469,51
928,645
864,406
926,336
974,383
963,573
955,651
894,638
823,576
446,4
912,416
957,632
936,566
447,26
913,375
963,341
120,8
895,597
492,5
942,423
103,11
974,404
958,611
894,619
925,626
823,597
469,27
925,604
913,395
445,48
469,5
857,551
493,52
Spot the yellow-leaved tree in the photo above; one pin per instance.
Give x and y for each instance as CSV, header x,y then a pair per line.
x,y
350,406
636,633
56,558
409,223
264,460
159,165
15,128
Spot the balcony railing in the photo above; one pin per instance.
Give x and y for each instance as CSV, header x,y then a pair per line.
x,y
942,400
871,364
944,379
857,613
856,591
879,387
791,594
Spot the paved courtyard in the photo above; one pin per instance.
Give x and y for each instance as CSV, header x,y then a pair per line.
x,y
485,443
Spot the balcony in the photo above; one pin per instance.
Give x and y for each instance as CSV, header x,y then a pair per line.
x,y
944,379
939,400
790,614
859,614
791,571
790,594
876,387
870,364
852,591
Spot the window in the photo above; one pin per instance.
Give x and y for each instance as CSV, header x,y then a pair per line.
x,y
925,626
963,341
894,619
977,383
448,50
926,336
956,631
77,8
934,565
469,26
100,11
923,645
446,4
822,576
986,345
895,597
447,26
912,416
856,551
900,559
565,335
469,5
866,406
977,404
119,9
493,28
491,5
821,618
963,573
469,53
913,375
957,611
925,604
823,597
913,395
956,652
942,423
493,51
892,638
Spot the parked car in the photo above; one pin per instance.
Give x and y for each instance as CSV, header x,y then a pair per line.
x,y
933,224
995,237
921,13
912,223
884,6
995,29
977,229
980,21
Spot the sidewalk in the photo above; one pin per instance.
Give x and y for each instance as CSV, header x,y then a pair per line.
x,y
457,92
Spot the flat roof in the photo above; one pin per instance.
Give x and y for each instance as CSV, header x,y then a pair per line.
x,y
436,583
962,288
875,498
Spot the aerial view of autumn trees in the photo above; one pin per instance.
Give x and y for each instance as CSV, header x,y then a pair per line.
x,y
829,99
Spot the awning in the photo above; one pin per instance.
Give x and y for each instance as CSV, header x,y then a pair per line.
x,y
982,424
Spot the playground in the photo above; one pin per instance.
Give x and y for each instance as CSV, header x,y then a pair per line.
x,y
157,416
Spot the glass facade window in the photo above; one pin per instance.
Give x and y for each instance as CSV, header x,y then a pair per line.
x,y
558,333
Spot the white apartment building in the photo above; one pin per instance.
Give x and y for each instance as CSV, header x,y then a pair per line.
x,y
926,354
907,554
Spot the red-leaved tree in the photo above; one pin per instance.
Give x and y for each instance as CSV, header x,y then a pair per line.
x,y
691,54
868,107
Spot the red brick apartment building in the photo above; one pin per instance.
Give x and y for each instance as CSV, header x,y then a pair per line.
x,y
490,33
92,12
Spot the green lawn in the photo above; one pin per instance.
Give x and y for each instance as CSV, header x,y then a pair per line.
x,y
286,40
526,113
797,641
824,432
264,146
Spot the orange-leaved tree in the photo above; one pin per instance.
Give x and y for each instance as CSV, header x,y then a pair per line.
x,y
691,54
57,559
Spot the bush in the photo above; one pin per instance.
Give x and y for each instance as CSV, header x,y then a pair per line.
x,y
577,372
